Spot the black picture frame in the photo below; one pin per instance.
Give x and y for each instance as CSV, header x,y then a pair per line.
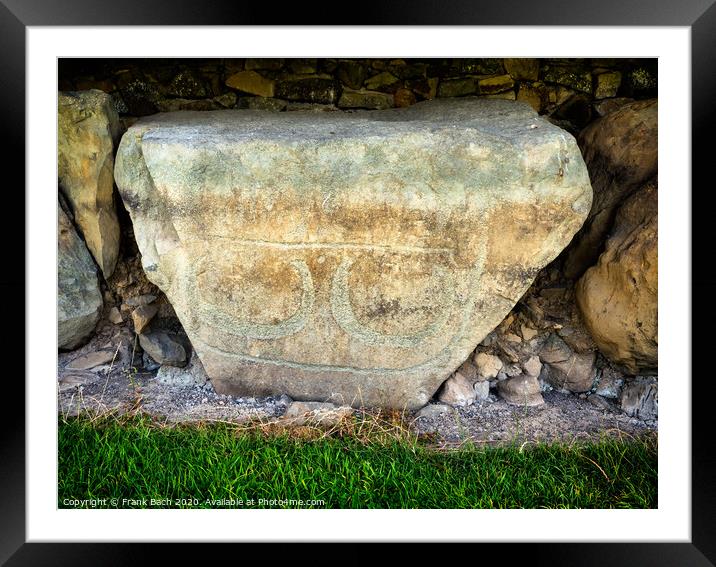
x,y
699,15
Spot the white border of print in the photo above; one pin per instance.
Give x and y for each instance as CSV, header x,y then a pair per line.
x,y
670,522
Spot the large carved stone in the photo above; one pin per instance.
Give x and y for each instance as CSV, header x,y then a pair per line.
x,y
88,127
354,258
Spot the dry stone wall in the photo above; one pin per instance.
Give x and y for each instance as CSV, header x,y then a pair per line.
x,y
571,92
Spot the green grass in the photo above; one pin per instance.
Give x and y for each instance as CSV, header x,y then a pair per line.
x,y
189,466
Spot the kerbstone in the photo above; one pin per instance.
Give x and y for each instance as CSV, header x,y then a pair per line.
x,y
353,258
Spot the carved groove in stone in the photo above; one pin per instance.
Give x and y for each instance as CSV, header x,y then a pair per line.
x,y
346,319
216,317
441,357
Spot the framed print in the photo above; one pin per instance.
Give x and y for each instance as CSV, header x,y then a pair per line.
x,y
49,48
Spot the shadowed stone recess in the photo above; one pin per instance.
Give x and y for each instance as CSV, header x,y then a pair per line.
x,y
350,258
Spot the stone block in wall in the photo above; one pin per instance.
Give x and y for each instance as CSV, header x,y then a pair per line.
x,y
302,66
568,76
607,84
185,84
352,73
406,70
494,85
522,69
261,103
485,66
424,89
507,95
373,100
321,91
251,82
641,80
456,87
385,82
175,104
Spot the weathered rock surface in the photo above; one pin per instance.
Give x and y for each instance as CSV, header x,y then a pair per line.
x,y
162,348
142,316
521,390
618,297
365,99
610,384
620,150
88,127
488,365
523,69
482,390
532,366
640,398
91,360
457,391
567,370
115,316
79,300
193,374
251,82
357,258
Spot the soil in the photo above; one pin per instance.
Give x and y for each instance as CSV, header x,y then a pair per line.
x,y
118,388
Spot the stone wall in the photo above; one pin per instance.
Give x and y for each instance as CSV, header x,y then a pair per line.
x,y
572,92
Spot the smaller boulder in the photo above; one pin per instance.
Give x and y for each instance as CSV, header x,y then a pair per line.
x,y
610,384
532,366
488,365
142,316
91,360
640,398
162,348
482,390
568,370
115,316
521,390
528,333
469,371
193,374
251,82
88,127
457,391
